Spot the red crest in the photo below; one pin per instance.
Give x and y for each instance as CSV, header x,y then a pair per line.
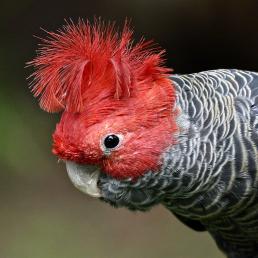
x,y
73,60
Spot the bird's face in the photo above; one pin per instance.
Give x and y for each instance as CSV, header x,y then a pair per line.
x,y
114,144
118,110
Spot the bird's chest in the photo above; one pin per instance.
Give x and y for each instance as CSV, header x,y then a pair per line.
x,y
238,237
235,233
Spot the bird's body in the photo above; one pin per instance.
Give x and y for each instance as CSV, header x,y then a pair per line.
x,y
217,158
135,136
214,164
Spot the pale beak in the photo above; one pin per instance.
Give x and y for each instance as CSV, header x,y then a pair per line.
x,y
84,177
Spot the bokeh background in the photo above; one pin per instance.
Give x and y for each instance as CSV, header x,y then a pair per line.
x,y
41,214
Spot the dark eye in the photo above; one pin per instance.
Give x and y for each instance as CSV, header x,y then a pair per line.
x,y
111,141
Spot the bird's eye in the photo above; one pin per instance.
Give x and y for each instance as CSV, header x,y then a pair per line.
x,y
111,141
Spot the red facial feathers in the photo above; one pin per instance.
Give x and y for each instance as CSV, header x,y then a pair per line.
x,y
73,60
105,84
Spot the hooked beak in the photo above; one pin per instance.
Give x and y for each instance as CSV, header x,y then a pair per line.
x,y
84,177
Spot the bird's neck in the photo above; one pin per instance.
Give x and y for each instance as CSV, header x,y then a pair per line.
x,y
205,181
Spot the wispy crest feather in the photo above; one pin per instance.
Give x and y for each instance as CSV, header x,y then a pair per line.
x,y
71,60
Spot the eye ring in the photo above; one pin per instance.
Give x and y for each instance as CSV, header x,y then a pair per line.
x,y
111,141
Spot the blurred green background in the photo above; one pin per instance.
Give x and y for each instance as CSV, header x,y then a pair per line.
x,y
41,214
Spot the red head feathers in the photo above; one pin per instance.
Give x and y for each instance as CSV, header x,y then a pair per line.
x,y
106,86
72,61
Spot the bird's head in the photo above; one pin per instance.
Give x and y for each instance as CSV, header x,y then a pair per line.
x,y
117,103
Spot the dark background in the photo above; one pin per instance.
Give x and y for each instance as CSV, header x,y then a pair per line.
x,y
41,213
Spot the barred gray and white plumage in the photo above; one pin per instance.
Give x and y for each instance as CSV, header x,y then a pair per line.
x,y
209,178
